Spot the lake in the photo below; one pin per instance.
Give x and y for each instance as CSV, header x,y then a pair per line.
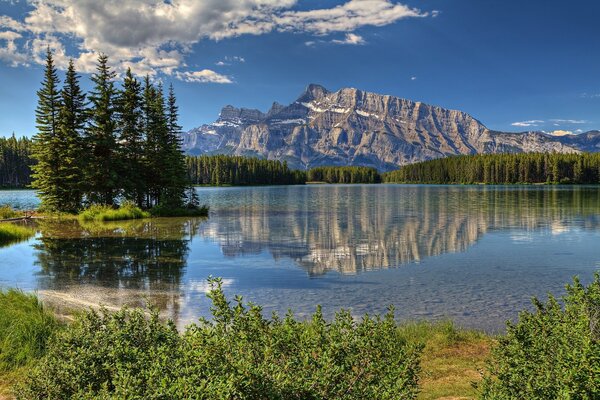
x,y
474,254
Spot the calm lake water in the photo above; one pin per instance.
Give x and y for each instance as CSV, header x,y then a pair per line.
x,y
473,254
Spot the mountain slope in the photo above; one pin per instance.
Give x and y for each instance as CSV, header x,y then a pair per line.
x,y
353,127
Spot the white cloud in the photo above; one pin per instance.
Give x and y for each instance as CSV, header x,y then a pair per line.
x,y
350,38
155,36
569,121
532,122
560,132
203,76
229,60
590,95
413,78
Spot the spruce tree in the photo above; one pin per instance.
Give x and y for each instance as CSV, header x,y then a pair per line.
x,y
46,171
177,172
102,164
131,139
154,128
69,146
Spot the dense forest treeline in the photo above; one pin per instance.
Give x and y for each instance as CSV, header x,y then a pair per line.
x,y
237,170
530,168
15,162
117,142
343,175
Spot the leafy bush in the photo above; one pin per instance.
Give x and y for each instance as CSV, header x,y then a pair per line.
x,y
11,233
25,327
551,353
101,213
239,354
7,212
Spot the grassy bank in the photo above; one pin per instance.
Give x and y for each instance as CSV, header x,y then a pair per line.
x,y
25,328
11,233
7,212
100,213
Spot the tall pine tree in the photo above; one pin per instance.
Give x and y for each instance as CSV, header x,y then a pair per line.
x,y
177,172
46,171
69,144
131,140
101,140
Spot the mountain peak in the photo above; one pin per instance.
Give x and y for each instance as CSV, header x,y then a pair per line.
x,y
313,91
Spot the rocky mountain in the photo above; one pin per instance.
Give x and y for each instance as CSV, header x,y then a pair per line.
x,y
353,127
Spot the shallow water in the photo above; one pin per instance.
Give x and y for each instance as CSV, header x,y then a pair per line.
x,y
475,254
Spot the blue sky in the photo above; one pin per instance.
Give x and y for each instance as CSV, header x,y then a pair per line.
x,y
514,65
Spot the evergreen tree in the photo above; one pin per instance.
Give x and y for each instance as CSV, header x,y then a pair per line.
x,y
131,138
176,173
102,166
155,127
46,171
69,144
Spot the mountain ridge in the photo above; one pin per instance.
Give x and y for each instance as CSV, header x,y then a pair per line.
x,y
355,127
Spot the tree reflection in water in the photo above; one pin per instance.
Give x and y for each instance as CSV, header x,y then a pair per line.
x,y
113,264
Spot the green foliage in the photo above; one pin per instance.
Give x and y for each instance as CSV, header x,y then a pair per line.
x,y
69,144
25,328
15,162
7,212
238,355
235,170
131,137
343,175
125,145
101,137
102,213
552,352
11,233
503,169
45,171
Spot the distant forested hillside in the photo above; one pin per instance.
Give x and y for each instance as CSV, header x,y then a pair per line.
x,y
15,162
343,175
581,168
237,170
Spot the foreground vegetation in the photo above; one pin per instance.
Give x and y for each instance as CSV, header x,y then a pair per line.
x,y
503,169
551,352
26,326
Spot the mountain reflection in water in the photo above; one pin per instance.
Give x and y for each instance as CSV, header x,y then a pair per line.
x,y
475,254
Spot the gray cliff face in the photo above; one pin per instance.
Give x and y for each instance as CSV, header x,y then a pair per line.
x,y
353,127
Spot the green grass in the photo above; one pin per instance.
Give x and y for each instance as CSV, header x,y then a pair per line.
x,y
101,213
11,233
25,328
452,358
7,212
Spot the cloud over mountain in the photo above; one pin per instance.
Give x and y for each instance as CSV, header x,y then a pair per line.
x,y
154,36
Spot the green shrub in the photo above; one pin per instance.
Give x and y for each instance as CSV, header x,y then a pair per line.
x,y
25,327
551,353
11,233
7,212
101,213
239,354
